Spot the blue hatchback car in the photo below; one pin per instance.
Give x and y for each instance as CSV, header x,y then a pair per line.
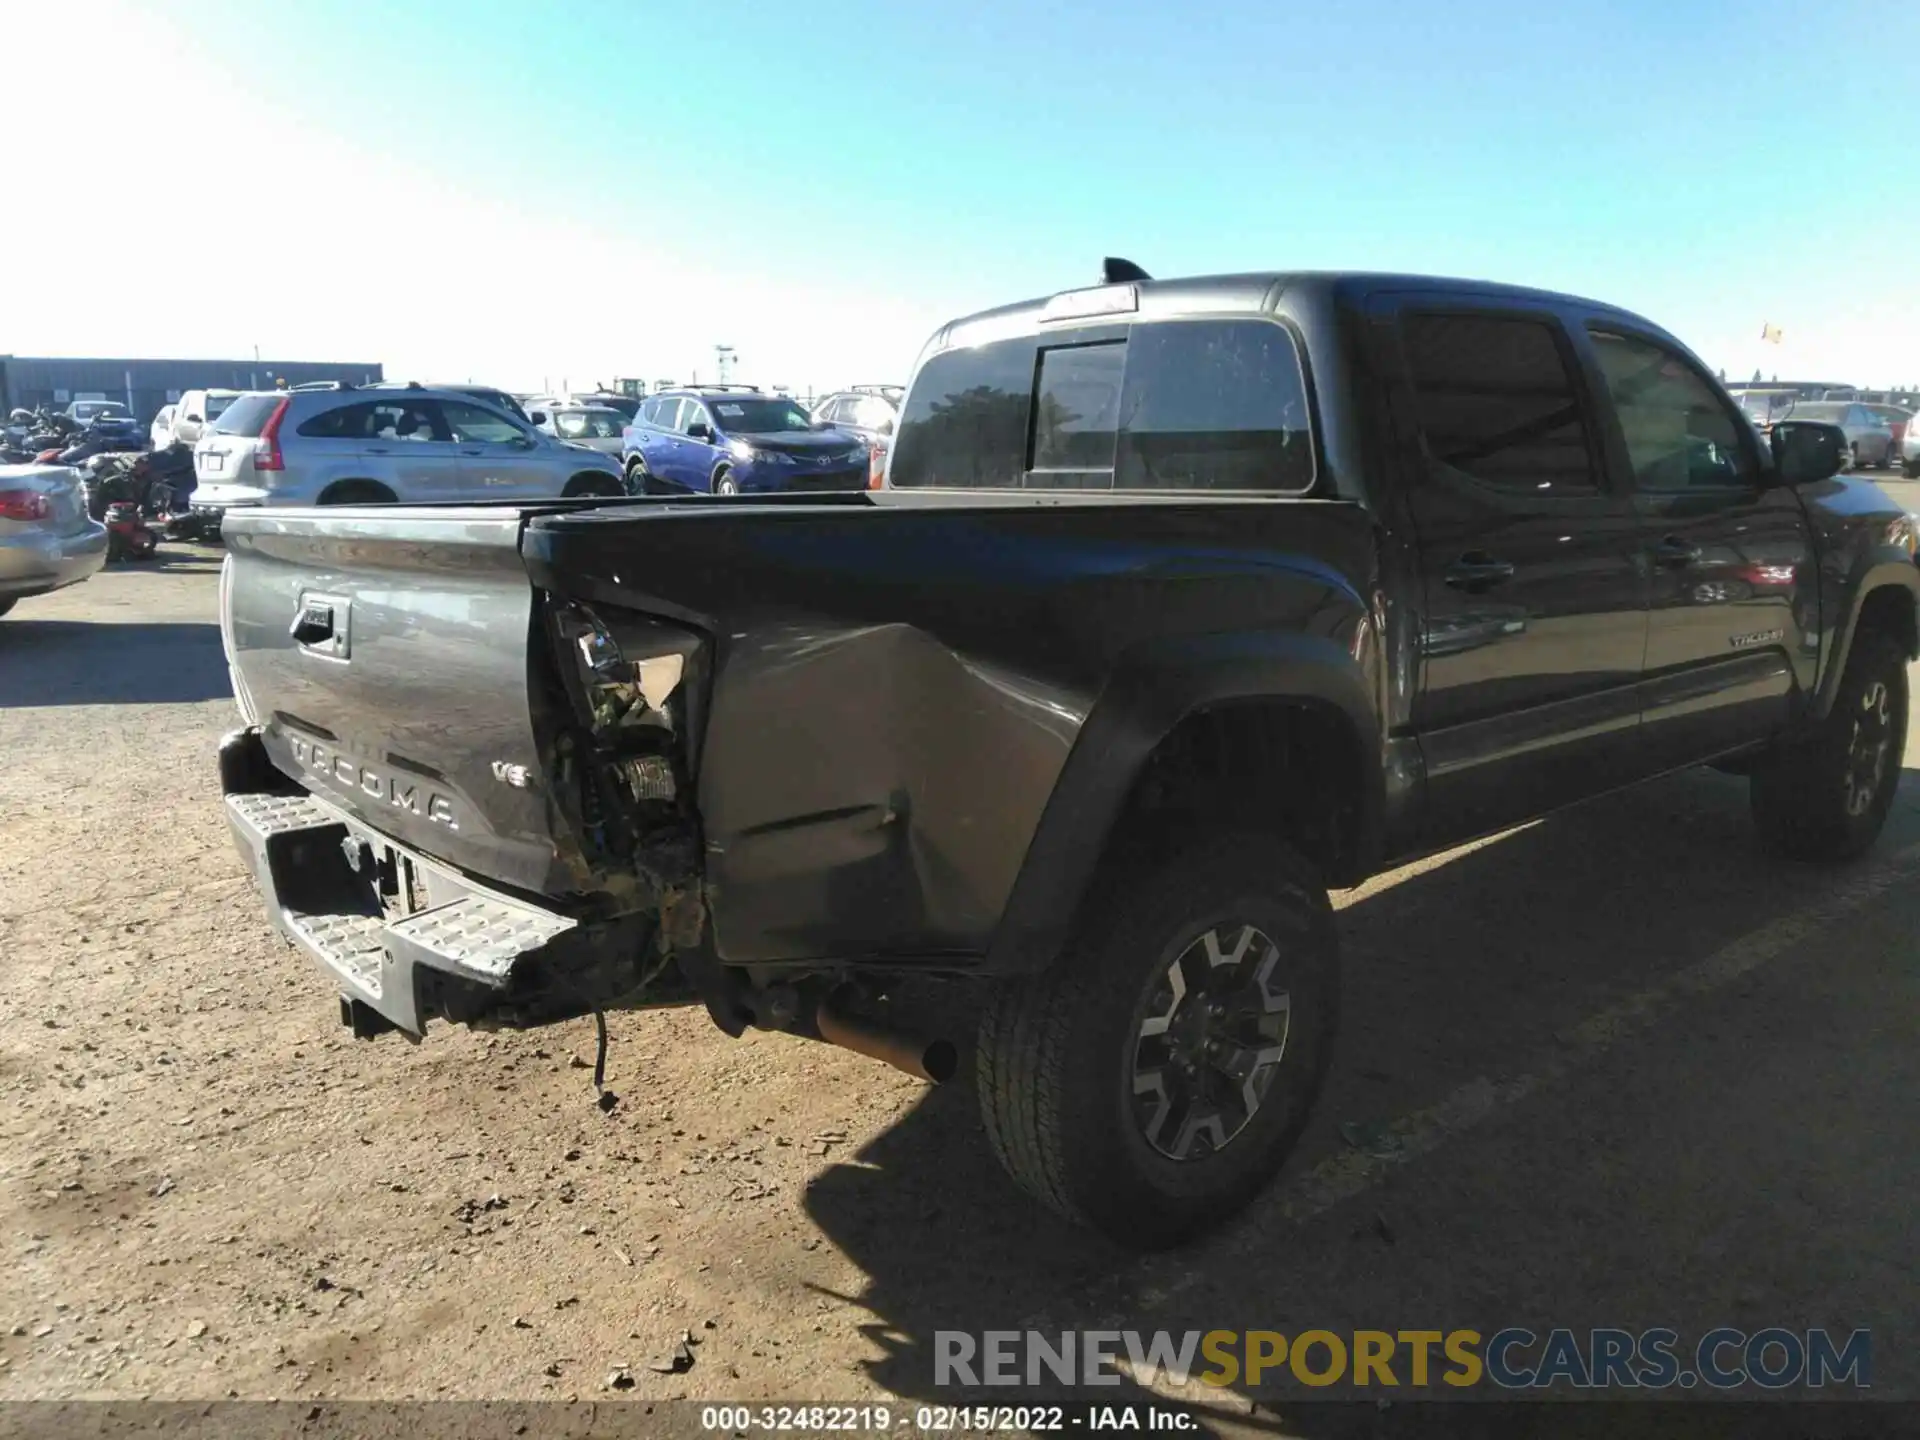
x,y
735,440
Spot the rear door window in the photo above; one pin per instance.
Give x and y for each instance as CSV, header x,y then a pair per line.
x,y
1496,402
343,422
476,425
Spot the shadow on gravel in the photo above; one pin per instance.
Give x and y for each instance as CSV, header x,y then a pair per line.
x,y
72,662
193,562
1464,970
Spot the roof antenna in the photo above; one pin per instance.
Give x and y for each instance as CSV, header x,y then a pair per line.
x,y
1115,271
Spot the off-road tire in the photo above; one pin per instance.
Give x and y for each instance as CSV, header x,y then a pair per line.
x,y
1816,797
1056,1051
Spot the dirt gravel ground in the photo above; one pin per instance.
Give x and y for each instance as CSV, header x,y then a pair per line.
x,y
1611,1068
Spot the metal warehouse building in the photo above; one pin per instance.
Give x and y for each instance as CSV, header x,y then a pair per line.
x,y
146,385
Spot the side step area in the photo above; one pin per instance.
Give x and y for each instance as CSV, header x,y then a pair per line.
x,y
329,884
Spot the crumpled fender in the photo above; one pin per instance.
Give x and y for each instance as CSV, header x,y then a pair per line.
x,y
1156,688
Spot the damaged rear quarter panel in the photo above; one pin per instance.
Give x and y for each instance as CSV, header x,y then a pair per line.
x,y
897,686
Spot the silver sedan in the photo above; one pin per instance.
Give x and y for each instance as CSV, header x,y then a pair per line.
x,y
46,537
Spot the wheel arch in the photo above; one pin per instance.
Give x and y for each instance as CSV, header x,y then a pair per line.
x,y
1233,713
329,495
581,482
1888,600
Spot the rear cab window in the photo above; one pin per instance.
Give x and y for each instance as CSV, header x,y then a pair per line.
x,y
1214,405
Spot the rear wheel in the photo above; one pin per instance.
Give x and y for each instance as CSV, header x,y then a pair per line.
x,y
593,484
358,492
724,483
639,482
1912,469
1152,1079
1826,796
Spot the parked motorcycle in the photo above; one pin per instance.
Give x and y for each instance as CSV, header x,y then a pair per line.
x,y
14,435
129,537
48,430
104,436
136,497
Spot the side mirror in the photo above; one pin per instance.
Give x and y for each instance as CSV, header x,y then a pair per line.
x,y
700,430
1806,450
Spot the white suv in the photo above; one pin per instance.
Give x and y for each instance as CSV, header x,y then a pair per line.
x,y
196,411
355,447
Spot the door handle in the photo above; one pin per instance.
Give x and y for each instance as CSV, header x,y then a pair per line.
x,y
1676,552
378,450
1476,571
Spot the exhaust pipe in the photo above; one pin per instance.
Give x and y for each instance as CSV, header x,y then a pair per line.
x,y
934,1061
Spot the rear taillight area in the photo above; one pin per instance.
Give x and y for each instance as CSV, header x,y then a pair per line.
x,y
266,450
877,468
24,505
624,748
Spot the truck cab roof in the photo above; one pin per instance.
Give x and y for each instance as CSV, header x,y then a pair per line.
x,y
1252,292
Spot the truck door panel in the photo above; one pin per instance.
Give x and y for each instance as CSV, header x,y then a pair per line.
x,y
1535,622
1733,617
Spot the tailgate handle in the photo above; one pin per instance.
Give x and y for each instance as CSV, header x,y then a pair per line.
x,y
314,624
321,625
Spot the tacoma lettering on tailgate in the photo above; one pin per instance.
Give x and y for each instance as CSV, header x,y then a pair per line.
x,y
341,772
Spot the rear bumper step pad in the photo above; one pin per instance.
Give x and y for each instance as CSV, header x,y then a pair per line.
x,y
295,845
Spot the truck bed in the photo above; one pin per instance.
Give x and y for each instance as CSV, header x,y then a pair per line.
x,y
888,694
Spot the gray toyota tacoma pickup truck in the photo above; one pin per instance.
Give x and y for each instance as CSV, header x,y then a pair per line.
x,y
1183,602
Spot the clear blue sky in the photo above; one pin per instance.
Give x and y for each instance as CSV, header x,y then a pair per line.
x,y
1713,165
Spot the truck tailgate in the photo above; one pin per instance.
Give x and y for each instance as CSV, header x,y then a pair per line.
x,y
385,657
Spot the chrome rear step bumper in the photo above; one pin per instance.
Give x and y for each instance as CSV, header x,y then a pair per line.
x,y
402,935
